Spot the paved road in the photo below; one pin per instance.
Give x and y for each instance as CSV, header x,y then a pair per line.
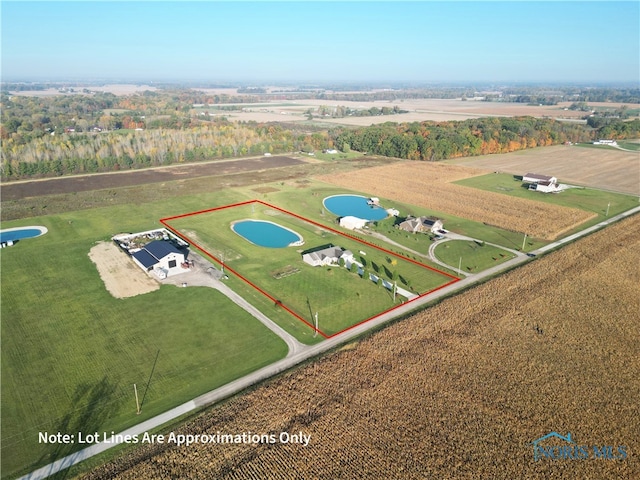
x,y
303,354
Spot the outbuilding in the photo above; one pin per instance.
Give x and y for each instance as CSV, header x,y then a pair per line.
x,y
161,256
537,178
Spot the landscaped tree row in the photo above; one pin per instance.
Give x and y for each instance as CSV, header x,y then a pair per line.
x,y
442,140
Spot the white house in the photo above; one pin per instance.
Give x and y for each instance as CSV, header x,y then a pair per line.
x,y
421,224
160,256
352,223
328,256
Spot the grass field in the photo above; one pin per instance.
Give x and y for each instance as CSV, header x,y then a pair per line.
x,y
340,297
71,352
473,257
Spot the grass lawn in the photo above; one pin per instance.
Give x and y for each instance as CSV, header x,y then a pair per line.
x,y
341,298
71,352
589,199
475,256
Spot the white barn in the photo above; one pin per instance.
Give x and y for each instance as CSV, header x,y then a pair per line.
x,y
537,178
351,223
161,256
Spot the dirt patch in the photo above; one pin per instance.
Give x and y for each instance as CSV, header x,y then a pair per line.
x,y
121,277
602,168
265,190
429,185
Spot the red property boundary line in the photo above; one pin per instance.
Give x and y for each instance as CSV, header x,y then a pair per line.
x,y
165,221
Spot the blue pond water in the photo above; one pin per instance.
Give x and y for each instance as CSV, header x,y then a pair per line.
x,y
20,233
266,234
353,205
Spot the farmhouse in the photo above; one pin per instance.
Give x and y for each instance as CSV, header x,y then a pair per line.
x,y
545,187
328,256
536,178
351,223
161,256
421,225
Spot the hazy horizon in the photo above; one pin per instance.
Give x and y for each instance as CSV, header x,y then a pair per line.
x,y
321,43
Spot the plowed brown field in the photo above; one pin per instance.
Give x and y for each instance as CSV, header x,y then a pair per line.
x,y
428,185
457,391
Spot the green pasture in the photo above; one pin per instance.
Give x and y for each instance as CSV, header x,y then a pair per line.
x,y
589,199
473,257
341,298
71,352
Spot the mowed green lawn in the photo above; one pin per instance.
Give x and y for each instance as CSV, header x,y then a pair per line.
x,y
472,257
71,352
340,297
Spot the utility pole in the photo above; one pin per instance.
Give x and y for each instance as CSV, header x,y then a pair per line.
x,y
460,265
524,241
315,332
608,205
135,390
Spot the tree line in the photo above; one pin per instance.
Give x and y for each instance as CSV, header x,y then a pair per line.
x,y
432,141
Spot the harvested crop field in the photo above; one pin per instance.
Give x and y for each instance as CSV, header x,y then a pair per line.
x,y
457,391
604,168
430,187
82,183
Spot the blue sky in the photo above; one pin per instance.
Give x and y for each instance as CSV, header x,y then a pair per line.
x,y
320,42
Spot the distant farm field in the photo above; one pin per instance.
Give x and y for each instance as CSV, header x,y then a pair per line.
x,y
608,169
430,185
460,390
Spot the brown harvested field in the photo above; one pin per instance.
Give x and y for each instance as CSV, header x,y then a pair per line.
x,y
430,187
457,391
82,183
121,277
593,167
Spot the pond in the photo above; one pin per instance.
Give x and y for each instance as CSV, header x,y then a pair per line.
x,y
267,234
11,235
355,206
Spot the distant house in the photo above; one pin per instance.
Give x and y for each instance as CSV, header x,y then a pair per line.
x,y
536,178
328,256
421,225
351,223
161,256
612,143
